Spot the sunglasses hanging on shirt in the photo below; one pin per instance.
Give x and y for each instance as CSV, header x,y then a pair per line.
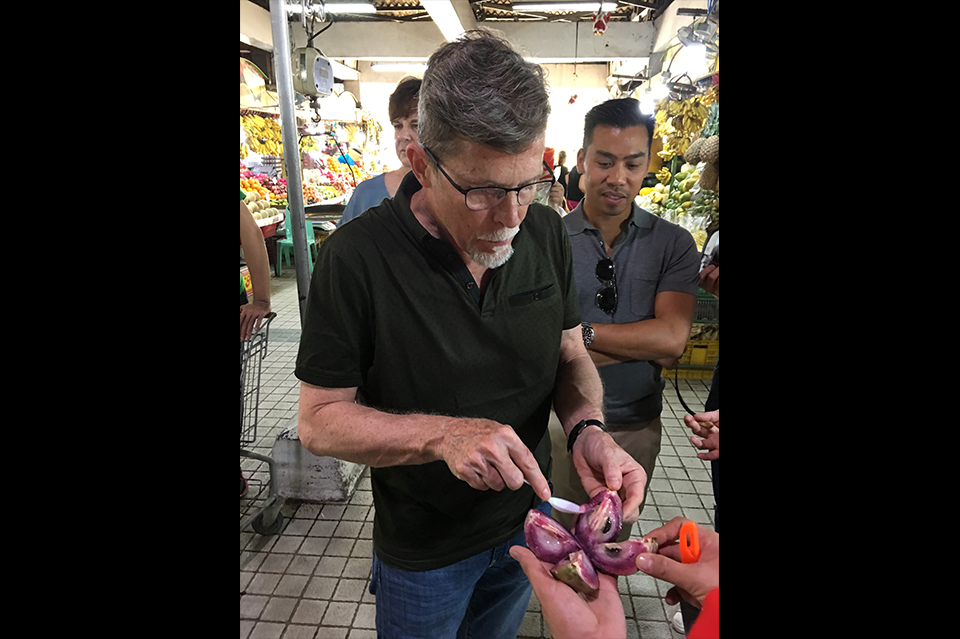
x,y
607,296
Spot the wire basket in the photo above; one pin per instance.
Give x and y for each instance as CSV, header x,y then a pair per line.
x,y
708,310
252,352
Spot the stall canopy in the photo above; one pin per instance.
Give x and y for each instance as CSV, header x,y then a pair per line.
x,y
253,88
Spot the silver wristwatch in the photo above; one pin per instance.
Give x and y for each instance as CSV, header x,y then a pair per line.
x,y
587,334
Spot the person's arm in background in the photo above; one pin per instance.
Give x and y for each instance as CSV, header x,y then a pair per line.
x,y
710,280
255,254
557,200
662,338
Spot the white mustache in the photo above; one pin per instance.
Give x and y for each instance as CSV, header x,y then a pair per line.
x,y
501,235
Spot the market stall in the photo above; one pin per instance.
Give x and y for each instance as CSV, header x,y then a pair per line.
x,y
687,193
331,161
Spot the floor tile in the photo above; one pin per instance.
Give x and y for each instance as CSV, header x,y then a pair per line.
x,y
267,630
309,611
320,587
349,590
300,632
366,617
263,584
278,609
291,586
340,613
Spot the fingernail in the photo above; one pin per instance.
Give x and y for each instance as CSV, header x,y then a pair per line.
x,y
644,563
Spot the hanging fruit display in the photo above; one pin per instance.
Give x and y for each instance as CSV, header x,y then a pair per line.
x,y
264,137
678,122
687,195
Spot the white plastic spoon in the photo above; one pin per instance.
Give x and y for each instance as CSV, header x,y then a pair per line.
x,y
562,504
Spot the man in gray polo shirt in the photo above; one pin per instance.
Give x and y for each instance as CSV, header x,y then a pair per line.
x,y
637,278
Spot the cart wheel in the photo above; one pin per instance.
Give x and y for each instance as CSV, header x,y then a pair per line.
x,y
258,526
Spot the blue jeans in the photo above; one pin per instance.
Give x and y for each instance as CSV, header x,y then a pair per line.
x,y
481,597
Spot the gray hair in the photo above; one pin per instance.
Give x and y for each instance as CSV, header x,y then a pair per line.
x,y
479,89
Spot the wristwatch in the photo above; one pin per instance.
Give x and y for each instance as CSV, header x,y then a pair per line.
x,y
587,334
579,427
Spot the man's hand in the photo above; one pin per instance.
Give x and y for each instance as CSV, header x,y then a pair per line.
x,y
569,614
251,316
603,465
710,280
556,196
692,581
706,428
486,455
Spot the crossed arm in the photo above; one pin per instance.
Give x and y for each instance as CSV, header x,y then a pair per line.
x,y
661,339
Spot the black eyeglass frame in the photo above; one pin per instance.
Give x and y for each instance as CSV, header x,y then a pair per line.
x,y
611,285
465,192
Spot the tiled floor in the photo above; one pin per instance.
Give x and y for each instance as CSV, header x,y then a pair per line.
x,y
309,581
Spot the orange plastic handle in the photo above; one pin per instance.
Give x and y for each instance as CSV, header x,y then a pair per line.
x,y
689,543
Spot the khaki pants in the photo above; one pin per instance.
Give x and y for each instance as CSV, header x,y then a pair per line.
x,y
641,440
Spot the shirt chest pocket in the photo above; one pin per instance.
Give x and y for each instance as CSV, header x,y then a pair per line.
x,y
533,297
643,291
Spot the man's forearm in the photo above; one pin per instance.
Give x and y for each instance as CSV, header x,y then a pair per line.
x,y
652,339
578,393
363,435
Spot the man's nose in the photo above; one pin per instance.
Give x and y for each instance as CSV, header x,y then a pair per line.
x,y
618,174
508,212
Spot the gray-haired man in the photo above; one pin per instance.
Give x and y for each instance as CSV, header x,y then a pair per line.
x,y
440,328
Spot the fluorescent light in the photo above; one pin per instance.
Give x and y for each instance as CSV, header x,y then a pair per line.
x,y
349,7
413,67
564,6
445,17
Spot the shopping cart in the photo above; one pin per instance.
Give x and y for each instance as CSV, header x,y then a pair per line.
x,y
266,518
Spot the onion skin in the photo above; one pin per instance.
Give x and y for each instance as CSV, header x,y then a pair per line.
x,y
547,538
620,558
601,520
577,572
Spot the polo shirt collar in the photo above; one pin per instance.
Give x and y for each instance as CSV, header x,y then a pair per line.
x,y
639,219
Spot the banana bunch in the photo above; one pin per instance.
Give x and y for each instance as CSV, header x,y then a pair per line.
x,y
711,95
664,176
244,150
308,143
263,134
679,122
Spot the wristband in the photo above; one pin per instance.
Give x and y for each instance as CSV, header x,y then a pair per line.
x,y
579,427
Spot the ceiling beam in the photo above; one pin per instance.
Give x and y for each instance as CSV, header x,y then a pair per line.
x,y
452,17
545,42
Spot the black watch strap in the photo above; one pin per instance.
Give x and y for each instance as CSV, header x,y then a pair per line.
x,y
578,428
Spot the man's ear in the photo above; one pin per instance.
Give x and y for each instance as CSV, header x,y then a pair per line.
x,y
419,163
581,156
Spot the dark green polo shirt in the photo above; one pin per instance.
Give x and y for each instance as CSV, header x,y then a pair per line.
x,y
394,312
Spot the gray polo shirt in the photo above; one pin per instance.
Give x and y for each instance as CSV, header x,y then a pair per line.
x,y
650,256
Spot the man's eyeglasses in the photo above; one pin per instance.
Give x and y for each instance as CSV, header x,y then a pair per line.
x,y
483,198
607,296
